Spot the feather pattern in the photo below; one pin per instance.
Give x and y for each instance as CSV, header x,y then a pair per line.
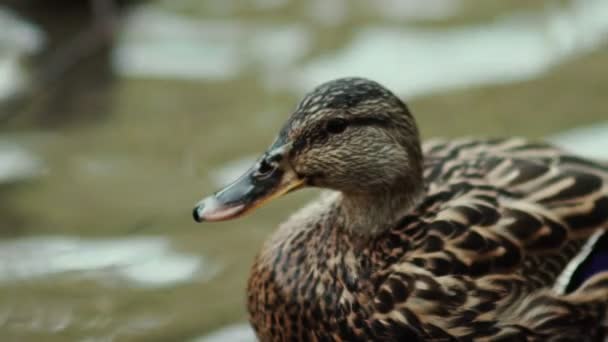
x,y
474,260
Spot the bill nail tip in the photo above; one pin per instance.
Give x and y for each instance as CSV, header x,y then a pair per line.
x,y
196,216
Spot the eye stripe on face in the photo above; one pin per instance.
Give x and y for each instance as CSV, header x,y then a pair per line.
x,y
370,121
318,135
336,125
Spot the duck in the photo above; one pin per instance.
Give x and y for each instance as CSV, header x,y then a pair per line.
x,y
446,240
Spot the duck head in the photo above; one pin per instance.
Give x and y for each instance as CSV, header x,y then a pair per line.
x,y
350,135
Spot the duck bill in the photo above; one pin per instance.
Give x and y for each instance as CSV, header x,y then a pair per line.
x,y
247,193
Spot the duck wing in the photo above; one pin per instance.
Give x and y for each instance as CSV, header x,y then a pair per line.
x,y
501,220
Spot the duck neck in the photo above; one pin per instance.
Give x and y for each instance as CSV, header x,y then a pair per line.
x,y
369,214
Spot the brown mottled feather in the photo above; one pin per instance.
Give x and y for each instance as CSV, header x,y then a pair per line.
x,y
473,261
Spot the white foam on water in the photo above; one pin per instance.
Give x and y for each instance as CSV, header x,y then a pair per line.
x,y
234,333
591,142
12,77
143,261
18,38
160,43
416,61
18,34
17,163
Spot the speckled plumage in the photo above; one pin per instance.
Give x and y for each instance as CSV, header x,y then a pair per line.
x,y
474,260
453,241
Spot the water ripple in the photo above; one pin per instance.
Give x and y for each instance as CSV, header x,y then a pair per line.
x,y
143,261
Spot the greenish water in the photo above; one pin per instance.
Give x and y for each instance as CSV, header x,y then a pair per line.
x,y
98,242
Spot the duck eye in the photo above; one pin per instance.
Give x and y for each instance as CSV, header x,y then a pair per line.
x,y
335,126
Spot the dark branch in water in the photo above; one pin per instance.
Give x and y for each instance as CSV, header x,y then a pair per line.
x,y
81,35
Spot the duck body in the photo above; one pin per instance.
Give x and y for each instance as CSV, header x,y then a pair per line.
x,y
475,259
444,241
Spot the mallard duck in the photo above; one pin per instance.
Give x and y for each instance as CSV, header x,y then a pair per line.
x,y
450,240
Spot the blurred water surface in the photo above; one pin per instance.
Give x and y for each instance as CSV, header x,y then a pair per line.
x,y
100,167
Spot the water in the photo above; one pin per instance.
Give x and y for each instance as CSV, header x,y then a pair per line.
x,y
142,261
17,163
192,48
97,239
18,38
512,48
236,333
591,142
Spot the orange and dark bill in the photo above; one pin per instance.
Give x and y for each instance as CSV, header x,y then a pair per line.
x,y
263,182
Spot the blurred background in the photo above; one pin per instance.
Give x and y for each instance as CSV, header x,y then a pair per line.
x,y
117,116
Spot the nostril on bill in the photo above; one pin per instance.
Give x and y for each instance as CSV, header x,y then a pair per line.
x,y
265,167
